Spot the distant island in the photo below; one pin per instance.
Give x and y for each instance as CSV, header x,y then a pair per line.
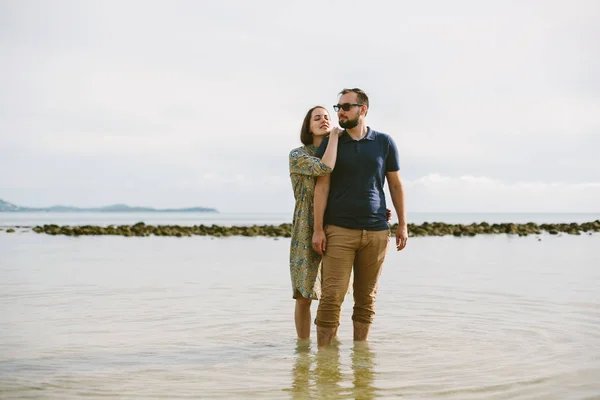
x,y
9,207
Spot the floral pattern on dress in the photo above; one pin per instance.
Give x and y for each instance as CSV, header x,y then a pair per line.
x,y
305,167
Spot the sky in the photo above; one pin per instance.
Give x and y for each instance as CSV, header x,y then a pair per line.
x,y
494,105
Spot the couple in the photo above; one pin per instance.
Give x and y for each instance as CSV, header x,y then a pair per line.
x,y
340,217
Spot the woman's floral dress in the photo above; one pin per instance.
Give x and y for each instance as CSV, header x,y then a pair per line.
x,y
304,261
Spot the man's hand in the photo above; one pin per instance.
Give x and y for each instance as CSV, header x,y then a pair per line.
x,y
319,242
401,236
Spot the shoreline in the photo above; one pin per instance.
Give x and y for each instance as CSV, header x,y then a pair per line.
x,y
140,229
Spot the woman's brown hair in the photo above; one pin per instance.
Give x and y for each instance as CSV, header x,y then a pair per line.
x,y
306,136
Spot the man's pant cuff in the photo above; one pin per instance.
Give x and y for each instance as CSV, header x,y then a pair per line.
x,y
362,320
324,324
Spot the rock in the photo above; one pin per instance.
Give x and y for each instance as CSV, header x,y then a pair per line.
x,y
140,229
10,230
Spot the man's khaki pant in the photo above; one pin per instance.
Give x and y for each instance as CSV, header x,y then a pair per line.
x,y
365,250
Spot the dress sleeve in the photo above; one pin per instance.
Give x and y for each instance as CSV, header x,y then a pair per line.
x,y
304,164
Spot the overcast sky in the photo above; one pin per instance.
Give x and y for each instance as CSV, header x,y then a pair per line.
x,y
494,105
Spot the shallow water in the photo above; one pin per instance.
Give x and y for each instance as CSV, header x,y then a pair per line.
x,y
489,317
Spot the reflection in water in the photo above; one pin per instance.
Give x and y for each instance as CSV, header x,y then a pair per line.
x,y
301,372
363,361
328,377
326,380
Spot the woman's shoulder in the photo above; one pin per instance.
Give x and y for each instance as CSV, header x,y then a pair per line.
x,y
302,150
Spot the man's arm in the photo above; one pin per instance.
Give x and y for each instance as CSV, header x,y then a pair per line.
x,y
319,242
397,194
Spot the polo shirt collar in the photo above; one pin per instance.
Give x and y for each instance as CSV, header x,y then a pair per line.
x,y
347,138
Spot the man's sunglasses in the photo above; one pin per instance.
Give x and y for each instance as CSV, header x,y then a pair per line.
x,y
345,106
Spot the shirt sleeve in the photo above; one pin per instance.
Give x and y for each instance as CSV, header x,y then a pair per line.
x,y
392,162
304,164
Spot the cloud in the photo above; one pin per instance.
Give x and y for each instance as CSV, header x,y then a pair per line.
x,y
436,192
241,192
138,96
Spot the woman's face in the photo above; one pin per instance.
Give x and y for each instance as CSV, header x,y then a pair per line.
x,y
319,122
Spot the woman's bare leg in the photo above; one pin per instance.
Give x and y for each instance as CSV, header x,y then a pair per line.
x,y
302,317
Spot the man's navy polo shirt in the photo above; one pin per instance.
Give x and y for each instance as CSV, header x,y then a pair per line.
x,y
356,197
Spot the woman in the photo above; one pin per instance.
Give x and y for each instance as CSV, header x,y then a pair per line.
x,y
304,169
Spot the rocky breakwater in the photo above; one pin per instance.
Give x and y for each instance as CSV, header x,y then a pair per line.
x,y
484,228
285,230
141,229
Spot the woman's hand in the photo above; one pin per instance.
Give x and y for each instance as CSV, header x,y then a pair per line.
x,y
336,131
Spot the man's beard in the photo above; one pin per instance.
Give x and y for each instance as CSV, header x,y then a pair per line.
x,y
349,123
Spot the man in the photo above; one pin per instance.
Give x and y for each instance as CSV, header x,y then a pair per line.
x,y
350,223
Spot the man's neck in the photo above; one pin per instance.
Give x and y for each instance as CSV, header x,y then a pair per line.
x,y
359,131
